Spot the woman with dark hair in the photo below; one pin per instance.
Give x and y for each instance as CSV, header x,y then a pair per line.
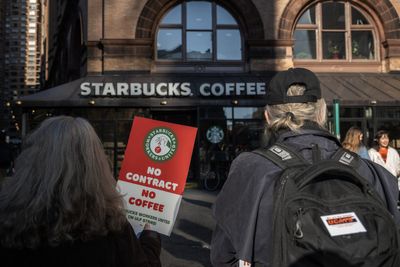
x,y
354,142
61,207
383,154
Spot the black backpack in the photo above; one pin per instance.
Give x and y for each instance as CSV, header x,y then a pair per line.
x,y
326,214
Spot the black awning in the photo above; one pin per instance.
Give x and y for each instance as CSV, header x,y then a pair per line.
x,y
352,89
361,89
62,95
183,90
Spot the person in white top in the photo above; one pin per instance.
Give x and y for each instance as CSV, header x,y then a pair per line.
x,y
385,155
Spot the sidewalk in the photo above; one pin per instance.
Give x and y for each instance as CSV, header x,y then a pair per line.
x,y
189,243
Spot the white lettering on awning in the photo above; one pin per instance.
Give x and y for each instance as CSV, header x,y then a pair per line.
x,y
171,89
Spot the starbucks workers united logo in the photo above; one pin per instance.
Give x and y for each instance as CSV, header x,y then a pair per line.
x,y
160,144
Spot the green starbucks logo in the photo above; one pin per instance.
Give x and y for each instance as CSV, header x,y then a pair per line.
x,y
160,144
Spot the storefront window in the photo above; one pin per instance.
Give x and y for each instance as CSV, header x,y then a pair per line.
x,y
174,16
199,45
362,46
169,45
333,16
358,18
228,112
388,112
198,15
206,27
228,45
248,135
123,130
217,112
305,44
352,112
223,17
249,113
308,16
334,31
333,46
229,131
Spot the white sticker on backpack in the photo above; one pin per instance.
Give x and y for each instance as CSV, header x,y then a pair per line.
x,y
244,263
343,224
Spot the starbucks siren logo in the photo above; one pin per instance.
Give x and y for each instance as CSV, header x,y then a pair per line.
x,y
160,144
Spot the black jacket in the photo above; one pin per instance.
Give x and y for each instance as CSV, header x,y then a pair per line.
x,y
114,250
244,207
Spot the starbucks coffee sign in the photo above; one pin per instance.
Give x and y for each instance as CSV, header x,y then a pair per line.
x,y
171,89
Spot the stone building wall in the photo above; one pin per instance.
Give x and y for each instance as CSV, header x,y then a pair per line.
x,y
124,41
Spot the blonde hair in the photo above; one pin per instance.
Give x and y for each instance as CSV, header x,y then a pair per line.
x,y
293,115
63,188
352,140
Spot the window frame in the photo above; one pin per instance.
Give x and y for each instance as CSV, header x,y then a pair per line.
x,y
348,29
214,29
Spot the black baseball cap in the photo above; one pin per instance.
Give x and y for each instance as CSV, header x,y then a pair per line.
x,y
280,83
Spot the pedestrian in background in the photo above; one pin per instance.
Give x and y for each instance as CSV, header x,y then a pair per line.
x,y
354,142
61,207
383,154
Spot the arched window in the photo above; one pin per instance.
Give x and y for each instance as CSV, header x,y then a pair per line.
x,y
195,31
330,31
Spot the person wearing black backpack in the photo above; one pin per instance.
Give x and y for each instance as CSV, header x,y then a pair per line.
x,y
302,200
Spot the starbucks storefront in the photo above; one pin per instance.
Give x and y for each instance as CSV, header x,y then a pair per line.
x,y
227,109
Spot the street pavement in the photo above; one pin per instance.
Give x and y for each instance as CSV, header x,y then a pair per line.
x,y
189,243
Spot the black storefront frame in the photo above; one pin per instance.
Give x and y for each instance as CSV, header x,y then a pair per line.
x,y
67,97
367,123
103,126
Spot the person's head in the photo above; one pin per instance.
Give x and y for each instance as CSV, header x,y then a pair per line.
x,y
294,97
381,139
63,187
353,139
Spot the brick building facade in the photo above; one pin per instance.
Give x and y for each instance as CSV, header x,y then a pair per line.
x,y
208,63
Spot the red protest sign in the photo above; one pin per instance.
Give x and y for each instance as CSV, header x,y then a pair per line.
x,y
154,171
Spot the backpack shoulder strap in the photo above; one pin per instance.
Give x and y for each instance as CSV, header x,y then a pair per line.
x,y
346,157
283,156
